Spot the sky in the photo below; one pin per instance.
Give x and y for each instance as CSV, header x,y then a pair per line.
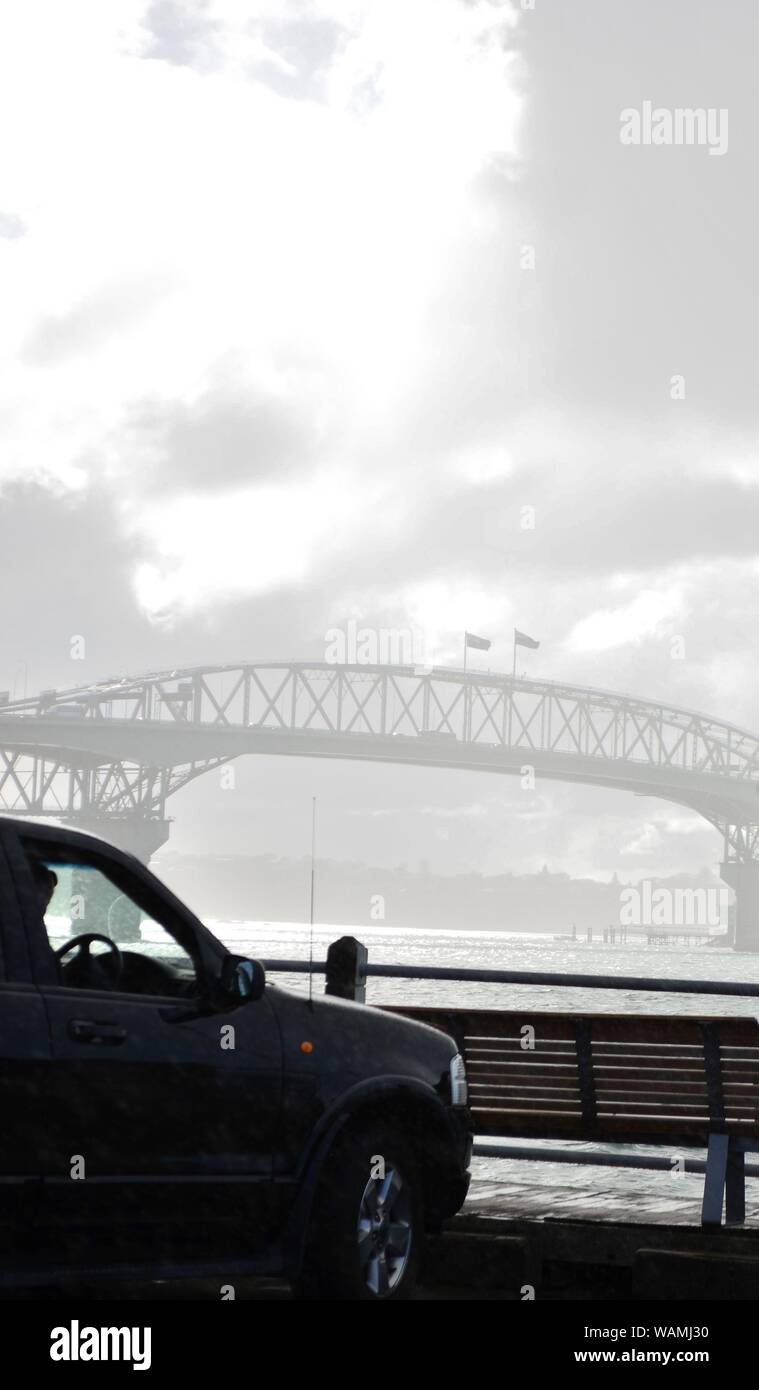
x,y
310,306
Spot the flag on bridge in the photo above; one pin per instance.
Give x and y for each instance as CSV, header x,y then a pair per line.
x,y
480,644
521,640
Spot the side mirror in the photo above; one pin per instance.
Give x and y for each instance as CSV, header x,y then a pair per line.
x,y
241,980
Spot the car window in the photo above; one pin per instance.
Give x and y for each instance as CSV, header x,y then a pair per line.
x,y
136,955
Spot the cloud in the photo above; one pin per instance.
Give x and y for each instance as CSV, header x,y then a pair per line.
x,y
84,328
11,226
220,283
285,45
213,549
642,616
231,431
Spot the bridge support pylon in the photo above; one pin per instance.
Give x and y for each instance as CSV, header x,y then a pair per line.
x,y
743,877
137,835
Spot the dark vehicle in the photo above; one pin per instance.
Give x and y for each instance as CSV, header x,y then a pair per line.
x,y
69,709
167,1112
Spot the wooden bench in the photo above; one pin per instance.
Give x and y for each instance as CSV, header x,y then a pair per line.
x,y
620,1078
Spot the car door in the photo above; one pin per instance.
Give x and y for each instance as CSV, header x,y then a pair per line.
x,y
162,1111
27,1153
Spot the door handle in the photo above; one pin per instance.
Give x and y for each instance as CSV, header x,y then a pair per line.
x,y
88,1030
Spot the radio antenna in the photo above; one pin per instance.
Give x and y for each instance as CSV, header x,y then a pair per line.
x,y
311,915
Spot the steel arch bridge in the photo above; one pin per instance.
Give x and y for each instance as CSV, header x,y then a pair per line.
x,y
109,755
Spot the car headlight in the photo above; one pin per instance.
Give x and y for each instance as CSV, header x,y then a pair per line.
x,y
459,1089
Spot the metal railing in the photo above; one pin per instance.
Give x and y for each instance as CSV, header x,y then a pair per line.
x,y
523,977
597,1158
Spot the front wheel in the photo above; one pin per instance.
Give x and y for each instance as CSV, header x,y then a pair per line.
x,y
365,1234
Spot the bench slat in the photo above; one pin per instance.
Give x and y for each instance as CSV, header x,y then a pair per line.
x,y
533,1078
619,1063
522,1068
524,1091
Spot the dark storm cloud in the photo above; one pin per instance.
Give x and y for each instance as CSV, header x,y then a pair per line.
x,y
646,528
225,437
583,526
71,578
583,529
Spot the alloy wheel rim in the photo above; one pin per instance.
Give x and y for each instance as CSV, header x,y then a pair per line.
x,y
385,1231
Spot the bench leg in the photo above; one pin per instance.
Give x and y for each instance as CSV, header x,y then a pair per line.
x,y
714,1181
735,1189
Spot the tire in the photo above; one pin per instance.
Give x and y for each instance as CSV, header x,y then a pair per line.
x,y
365,1235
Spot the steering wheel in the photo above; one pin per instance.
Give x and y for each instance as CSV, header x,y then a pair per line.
x,y
84,942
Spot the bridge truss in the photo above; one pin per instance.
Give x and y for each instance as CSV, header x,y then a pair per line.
x,y
117,750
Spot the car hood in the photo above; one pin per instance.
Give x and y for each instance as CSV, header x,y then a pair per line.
x,y
357,1040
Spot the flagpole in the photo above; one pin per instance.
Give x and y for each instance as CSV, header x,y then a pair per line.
x,y
465,652
514,666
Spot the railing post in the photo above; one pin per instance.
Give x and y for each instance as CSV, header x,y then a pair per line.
x,y
346,959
